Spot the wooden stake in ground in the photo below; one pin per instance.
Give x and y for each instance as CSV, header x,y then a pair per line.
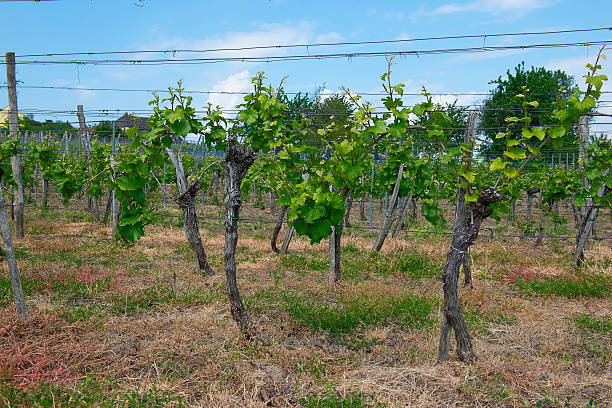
x,y
92,203
390,215
403,210
461,209
22,310
335,272
588,214
287,240
362,215
13,119
278,226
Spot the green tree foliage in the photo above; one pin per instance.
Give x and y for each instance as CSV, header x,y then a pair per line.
x,y
544,87
333,111
26,123
455,122
104,129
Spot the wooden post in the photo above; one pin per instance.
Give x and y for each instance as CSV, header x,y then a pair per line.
x,y
85,138
277,227
164,186
372,196
22,310
287,240
461,209
587,215
404,204
389,212
13,119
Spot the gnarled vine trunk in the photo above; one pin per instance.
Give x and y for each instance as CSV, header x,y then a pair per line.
x,y
237,163
538,241
463,236
186,201
192,228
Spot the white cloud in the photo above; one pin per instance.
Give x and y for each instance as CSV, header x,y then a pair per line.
x,y
86,94
462,100
266,34
520,7
238,82
576,66
326,93
329,37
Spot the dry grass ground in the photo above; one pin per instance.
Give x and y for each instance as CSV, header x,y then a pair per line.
x,y
131,327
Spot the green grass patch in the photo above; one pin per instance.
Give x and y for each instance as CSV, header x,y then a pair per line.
x,y
261,299
331,399
595,336
29,286
88,393
479,322
358,265
154,296
588,323
352,313
80,313
70,290
570,287
304,262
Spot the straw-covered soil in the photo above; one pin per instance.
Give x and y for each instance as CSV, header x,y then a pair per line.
x,y
135,326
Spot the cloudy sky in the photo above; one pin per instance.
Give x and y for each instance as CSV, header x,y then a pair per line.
x,y
122,25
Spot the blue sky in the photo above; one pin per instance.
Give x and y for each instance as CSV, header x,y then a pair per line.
x,y
115,25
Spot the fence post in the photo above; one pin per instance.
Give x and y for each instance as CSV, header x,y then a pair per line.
x,y
13,119
372,194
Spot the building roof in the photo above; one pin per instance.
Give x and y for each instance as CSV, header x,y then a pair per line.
x,y
129,121
4,115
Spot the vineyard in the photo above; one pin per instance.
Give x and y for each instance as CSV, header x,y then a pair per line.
x,y
373,257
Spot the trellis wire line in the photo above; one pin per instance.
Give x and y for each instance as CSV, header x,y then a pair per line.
x,y
262,221
329,44
378,110
223,92
305,57
343,132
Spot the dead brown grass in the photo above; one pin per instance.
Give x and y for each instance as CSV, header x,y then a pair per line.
x,y
198,353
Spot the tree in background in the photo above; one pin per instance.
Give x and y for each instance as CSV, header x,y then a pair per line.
x,y
455,120
335,108
544,86
104,129
26,123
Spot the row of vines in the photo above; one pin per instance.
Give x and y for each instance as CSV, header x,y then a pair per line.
x,y
316,175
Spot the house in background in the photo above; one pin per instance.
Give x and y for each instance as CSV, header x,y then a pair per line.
x,y
4,116
129,121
